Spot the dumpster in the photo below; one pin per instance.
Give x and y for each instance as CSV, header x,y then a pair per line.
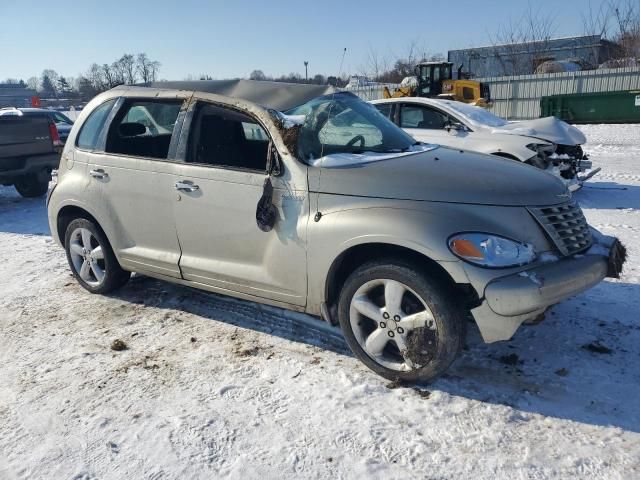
x,y
601,107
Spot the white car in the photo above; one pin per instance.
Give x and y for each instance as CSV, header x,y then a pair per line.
x,y
547,143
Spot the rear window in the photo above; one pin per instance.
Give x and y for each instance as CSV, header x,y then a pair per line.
x,y
60,118
90,132
143,129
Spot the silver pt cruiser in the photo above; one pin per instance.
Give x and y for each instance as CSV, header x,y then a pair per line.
x,y
329,209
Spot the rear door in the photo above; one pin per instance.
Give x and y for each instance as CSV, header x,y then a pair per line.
x,y
133,177
221,183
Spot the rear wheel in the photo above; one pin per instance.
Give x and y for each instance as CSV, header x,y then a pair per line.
x,y
402,324
33,184
91,258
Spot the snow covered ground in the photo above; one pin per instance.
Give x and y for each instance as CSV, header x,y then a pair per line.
x,y
212,387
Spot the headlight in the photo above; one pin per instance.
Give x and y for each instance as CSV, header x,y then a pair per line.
x,y
489,250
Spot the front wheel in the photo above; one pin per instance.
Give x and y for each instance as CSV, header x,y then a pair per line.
x,y
33,184
91,258
400,323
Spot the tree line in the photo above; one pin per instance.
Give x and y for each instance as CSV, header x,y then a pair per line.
x,y
126,70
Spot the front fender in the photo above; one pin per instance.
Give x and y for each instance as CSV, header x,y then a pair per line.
x,y
422,227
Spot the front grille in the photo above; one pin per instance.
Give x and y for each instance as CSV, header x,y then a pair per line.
x,y
565,225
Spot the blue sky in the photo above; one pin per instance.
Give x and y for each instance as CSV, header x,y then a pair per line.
x,y
231,38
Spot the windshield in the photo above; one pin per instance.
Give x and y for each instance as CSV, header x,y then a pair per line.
x,y
343,123
477,115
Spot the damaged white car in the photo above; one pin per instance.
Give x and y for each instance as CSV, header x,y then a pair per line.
x,y
547,143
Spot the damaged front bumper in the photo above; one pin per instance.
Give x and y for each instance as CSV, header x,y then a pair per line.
x,y
511,300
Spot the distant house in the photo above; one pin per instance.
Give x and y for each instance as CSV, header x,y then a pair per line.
x,y
523,58
17,95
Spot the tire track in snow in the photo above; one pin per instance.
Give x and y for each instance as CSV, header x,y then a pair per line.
x,y
282,323
616,176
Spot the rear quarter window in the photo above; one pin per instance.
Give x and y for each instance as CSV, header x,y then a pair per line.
x,y
92,126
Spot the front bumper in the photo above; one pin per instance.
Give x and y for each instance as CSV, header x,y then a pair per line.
x,y
509,301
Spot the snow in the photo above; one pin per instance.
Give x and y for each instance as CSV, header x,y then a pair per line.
x,y
10,112
212,387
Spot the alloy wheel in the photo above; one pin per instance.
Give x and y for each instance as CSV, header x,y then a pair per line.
x,y
87,257
393,325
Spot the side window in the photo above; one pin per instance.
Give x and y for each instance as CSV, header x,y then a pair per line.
x,y
384,109
143,128
227,138
90,131
417,116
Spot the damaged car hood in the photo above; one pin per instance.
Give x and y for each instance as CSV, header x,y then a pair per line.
x,y
437,174
549,128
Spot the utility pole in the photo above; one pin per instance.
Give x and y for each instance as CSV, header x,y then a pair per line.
x,y
306,71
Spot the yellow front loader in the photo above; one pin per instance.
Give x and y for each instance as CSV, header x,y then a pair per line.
x,y
434,80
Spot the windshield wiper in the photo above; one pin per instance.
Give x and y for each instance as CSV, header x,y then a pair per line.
x,y
372,150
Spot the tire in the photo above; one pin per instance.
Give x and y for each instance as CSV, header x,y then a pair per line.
x,y
429,323
91,258
33,185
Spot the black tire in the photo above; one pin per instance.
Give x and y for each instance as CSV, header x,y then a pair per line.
x,y
33,184
447,312
114,276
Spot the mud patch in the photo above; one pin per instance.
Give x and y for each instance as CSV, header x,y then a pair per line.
x,y
597,347
511,359
421,346
118,345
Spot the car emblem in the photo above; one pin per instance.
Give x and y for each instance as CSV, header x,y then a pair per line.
x,y
564,195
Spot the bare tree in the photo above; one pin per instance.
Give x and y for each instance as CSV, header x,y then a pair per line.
x,y
393,68
522,44
33,83
95,78
626,15
319,79
108,76
618,21
257,75
376,65
147,68
118,72
128,65
49,82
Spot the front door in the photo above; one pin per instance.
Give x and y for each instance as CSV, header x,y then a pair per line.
x,y
220,185
428,125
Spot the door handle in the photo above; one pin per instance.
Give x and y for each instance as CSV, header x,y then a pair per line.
x,y
99,173
185,186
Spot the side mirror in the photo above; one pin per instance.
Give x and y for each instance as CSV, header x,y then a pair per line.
x,y
454,127
266,212
274,162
